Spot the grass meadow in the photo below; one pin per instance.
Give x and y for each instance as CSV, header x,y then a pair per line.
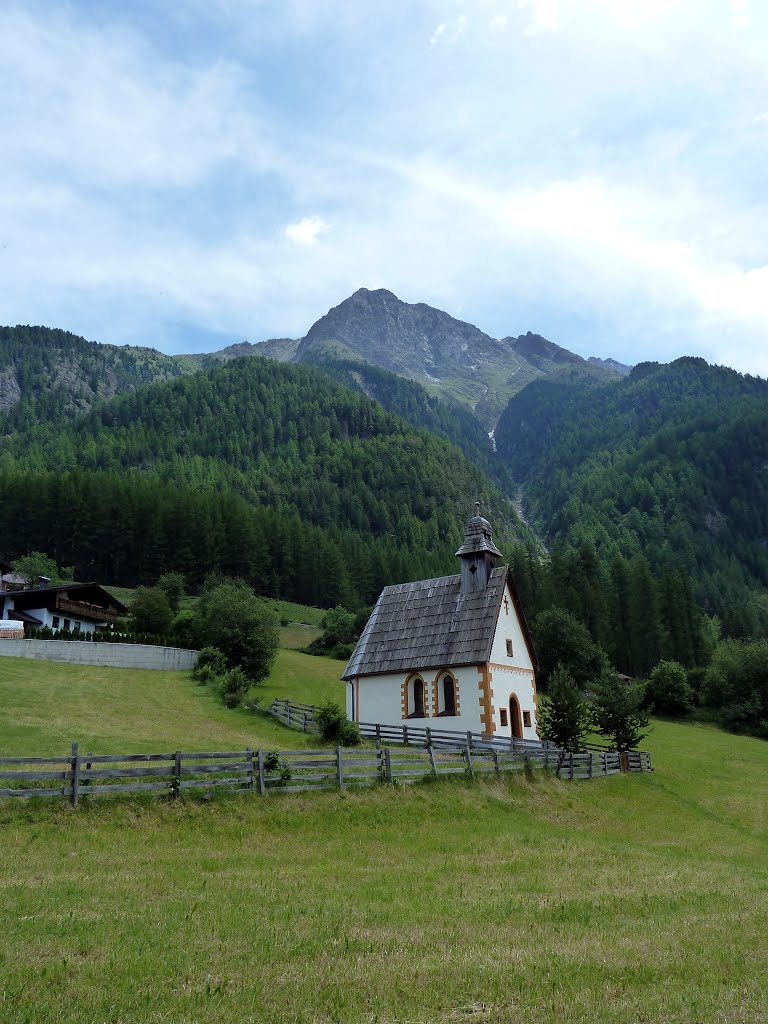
x,y
45,706
627,899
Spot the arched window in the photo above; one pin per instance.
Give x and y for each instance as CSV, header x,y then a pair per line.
x,y
446,696
418,699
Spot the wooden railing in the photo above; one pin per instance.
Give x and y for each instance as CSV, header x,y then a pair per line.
x,y
85,611
302,716
294,714
290,771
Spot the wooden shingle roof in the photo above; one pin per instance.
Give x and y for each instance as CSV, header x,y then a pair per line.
x,y
430,624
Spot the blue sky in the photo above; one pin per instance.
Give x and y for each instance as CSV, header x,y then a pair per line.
x,y
187,175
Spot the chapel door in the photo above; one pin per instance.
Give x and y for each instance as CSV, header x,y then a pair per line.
x,y
515,718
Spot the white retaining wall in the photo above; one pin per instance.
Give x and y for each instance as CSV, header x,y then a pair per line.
x,y
81,652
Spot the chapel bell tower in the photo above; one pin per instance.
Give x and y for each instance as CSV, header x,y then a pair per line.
x,y
478,554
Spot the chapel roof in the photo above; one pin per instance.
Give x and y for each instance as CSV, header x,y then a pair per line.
x,y
431,624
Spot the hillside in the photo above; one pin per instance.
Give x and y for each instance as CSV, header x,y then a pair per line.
x,y
308,489
48,705
670,462
281,349
52,375
406,398
636,898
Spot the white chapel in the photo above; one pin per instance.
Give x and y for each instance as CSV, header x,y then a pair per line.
x,y
454,651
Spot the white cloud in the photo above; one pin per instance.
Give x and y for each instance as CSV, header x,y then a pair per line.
x,y
606,190
545,16
445,33
438,34
306,231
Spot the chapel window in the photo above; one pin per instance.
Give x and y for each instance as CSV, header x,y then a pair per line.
x,y
510,649
527,719
418,699
504,716
449,695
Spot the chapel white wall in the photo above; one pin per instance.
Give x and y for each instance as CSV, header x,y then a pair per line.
x,y
380,700
511,675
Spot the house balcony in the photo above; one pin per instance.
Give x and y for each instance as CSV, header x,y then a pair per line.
x,y
80,610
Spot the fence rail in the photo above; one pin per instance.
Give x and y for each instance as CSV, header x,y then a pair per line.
x,y
302,716
294,714
290,771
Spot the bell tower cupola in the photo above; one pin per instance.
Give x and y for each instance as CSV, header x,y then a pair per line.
x,y
478,554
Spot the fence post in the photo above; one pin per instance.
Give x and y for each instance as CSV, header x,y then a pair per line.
x,y
429,737
432,757
288,709
571,776
305,721
495,754
378,735
88,766
249,760
468,755
405,735
177,773
75,761
387,765
546,757
469,740
590,763
260,763
339,768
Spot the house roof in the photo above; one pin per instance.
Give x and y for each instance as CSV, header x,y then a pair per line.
x,y
92,596
25,617
430,624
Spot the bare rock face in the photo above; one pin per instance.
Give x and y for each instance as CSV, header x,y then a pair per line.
x,y
51,374
415,340
409,339
611,364
10,392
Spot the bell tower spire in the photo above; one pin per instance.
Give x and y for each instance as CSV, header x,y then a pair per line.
x,y
478,554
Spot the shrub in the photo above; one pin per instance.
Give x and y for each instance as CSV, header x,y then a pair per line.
x,y
230,617
273,765
204,674
738,678
564,718
210,658
284,621
173,586
151,612
618,711
564,641
668,689
233,687
335,726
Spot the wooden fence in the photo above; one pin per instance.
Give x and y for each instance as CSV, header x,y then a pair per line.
x,y
302,716
290,771
294,714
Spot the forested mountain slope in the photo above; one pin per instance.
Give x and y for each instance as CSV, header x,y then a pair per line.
x,y
288,439
50,374
672,462
409,400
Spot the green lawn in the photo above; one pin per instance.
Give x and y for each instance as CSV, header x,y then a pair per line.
x,y
297,635
627,899
44,706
